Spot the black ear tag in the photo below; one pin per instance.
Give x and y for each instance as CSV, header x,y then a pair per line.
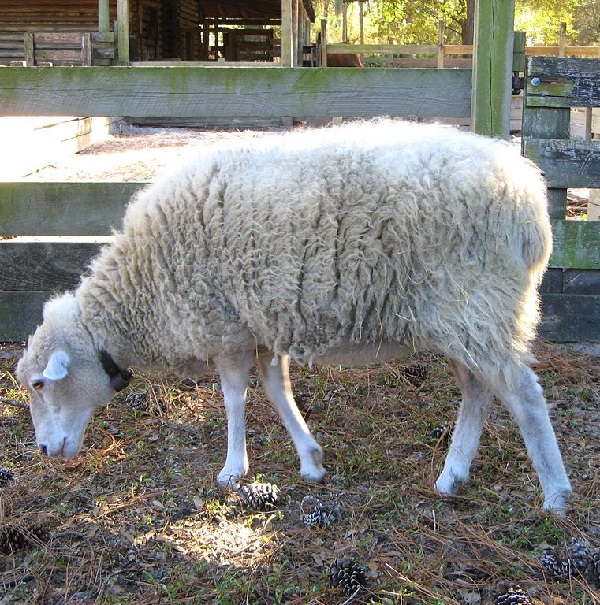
x,y
121,381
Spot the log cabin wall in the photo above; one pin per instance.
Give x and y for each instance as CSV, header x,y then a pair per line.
x,y
51,15
182,30
159,29
146,30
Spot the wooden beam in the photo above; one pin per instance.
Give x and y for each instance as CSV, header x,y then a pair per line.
x,y
44,265
576,244
566,162
20,313
492,67
570,318
390,49
560,82
191,92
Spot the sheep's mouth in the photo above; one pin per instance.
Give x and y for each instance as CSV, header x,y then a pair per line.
x,y
62,450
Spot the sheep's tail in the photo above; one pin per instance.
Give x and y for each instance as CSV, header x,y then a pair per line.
x,y
536,244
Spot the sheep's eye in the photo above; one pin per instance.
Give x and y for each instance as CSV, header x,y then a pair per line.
x,y
38,385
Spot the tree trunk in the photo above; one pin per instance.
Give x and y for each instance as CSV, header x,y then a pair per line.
x,y
468,25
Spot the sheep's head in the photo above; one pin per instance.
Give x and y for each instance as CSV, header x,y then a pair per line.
x,y
65,377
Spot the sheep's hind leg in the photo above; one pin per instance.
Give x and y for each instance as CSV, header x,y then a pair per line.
x,y
467,432
274,372
234,375
524,397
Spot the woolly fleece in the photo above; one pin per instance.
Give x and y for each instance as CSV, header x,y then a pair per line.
x,y
305,243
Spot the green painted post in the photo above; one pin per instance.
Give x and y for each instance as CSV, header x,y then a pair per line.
x,y
492,67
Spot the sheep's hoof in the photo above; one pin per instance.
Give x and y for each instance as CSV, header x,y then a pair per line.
x,y
229,482
557,502
313,470
448,486
315,475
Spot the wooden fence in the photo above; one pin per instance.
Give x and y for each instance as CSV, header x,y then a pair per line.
x,y
49,232
571,288
442,55
57,48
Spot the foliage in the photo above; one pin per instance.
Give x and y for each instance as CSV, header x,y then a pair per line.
x,y
416,21
541,19
586,22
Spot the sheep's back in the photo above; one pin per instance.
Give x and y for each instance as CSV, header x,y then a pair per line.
x,y
364,234
435,240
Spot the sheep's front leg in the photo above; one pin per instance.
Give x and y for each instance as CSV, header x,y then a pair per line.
x,y
467,432
234,383
274,373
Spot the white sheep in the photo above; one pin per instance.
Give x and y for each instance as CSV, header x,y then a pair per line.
x,y
347,245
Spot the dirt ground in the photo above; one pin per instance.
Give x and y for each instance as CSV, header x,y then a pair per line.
x,y
136,519
141,155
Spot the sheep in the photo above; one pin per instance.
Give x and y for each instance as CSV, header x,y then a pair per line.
x,y
348,246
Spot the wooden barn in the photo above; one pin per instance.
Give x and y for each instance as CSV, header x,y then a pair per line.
x,y
105,32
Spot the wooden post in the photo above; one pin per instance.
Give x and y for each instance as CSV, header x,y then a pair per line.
x,y
361,19
519,43
287,52
103,15
345,22
123,32
492,67
295,23
29,42
86,49
440,49
323,42
562,40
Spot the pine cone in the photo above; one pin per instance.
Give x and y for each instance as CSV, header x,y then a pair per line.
x,y
593,568
443,431
514,595
564,562
259,496
138,401
416,374
14,537
314,513
6,476
348,575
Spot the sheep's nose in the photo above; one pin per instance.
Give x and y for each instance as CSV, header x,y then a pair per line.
x,y
44,449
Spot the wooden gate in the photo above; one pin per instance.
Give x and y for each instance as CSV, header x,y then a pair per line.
x,y
571,288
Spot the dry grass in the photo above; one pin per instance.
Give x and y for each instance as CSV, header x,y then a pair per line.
x,y
137,519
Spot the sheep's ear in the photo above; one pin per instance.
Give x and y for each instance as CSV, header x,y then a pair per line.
x,y
58,366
